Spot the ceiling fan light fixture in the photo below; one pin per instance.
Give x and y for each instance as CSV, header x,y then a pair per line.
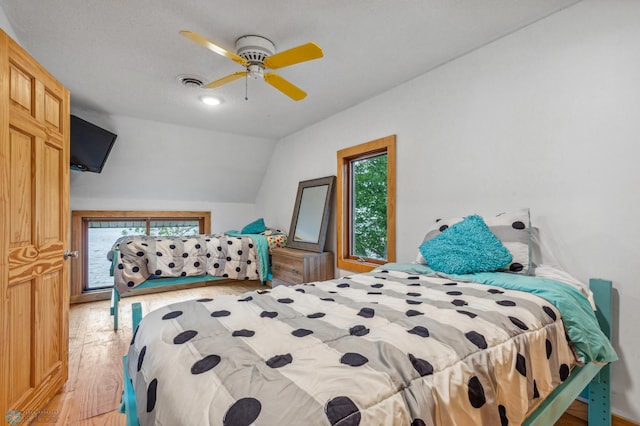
x,y
256,54
255,71
210,100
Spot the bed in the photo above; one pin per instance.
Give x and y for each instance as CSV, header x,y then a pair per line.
x,y
404,344
140,262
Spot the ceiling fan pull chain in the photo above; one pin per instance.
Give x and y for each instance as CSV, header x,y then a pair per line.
x,y
246,87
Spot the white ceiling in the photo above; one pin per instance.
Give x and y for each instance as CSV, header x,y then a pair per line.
x,y
122,57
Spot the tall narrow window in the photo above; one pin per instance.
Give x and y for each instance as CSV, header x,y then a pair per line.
x,y
366,205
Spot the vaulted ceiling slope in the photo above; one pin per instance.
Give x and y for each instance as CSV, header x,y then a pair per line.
x,y
122,57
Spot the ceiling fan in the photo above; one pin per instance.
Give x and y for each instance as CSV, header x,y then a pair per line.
x,y
256,54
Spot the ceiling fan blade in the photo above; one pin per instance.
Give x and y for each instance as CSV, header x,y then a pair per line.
x,y
214,47
225,80
295,55
284,86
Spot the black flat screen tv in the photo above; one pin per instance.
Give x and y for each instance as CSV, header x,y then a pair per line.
x,y
90,145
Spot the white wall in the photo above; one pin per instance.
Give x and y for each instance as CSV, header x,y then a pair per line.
x,y
546,118
6,26
159,166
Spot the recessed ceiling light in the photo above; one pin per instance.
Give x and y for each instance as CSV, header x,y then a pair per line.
x,y
210,100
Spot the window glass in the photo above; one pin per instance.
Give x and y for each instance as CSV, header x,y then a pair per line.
x,y
102,233
369,208
100,238
173,227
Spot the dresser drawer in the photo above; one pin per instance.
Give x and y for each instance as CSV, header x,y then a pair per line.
x,y
287,269
292,266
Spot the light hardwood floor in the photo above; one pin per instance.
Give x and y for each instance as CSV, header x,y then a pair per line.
x,y
91,396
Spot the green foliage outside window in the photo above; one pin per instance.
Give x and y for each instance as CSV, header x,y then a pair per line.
x,y
369,239
163,231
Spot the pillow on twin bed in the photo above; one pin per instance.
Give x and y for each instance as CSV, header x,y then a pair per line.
x,y
255,227
513,229
468,246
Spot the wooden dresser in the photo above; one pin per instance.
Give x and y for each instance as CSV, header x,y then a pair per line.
x,y
292,266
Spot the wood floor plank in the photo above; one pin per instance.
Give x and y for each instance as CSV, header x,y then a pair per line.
x,y
92,394
112,418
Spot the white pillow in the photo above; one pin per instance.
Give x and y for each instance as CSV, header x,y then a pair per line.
x,y
513,229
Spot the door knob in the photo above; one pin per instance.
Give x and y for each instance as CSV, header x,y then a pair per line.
x,y
69,253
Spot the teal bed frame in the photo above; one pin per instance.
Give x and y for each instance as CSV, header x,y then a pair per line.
x,y
590,381
154,283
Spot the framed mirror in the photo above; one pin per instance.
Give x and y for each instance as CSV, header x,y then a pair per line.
x,y
311,214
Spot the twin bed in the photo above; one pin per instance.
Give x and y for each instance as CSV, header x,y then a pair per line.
x,y
140,262
401,345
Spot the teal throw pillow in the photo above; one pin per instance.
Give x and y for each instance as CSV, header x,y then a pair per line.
x,y
255,227
466,247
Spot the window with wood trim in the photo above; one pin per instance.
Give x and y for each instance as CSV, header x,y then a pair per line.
x,y
95,232
366,194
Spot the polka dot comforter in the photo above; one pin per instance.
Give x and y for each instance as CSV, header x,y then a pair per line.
x,y
142,257
380,348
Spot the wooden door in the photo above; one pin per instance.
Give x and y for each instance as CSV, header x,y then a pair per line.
x,y
34,228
